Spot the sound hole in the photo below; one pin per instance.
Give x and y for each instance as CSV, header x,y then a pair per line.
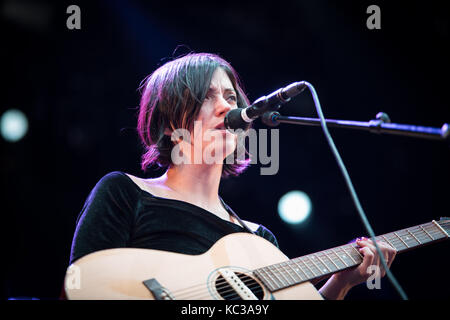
x,y
228,293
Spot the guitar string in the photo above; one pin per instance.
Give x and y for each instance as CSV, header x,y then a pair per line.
x,y
205,293
257,285
220,286
224,293
223,283
220,290
392,240
232,292
247,279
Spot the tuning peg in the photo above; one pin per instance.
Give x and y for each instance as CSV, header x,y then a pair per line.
x,y
383,117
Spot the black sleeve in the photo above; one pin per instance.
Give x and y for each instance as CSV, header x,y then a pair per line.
x,y
267,234
107,218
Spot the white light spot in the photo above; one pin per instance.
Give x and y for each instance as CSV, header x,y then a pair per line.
x,y
13,125
294,207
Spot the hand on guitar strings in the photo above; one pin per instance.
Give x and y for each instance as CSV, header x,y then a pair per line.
x,y
337,287
360,274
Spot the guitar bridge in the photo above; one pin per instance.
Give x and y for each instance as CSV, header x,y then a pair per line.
x,y
158,291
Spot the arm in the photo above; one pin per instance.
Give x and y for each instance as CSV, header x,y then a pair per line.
x,y
107,217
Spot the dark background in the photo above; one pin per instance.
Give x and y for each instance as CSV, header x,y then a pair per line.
x,y
78,89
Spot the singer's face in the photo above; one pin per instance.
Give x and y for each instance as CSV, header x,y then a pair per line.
x,y
216,142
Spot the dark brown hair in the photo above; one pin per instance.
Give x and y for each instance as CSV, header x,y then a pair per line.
x,y
172,97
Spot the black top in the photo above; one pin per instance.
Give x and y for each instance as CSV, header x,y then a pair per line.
x,y
119,214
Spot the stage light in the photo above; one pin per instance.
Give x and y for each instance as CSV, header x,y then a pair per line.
x,y
294,207
13,125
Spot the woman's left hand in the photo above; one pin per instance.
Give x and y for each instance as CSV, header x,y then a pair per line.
x,y
339,284
360,274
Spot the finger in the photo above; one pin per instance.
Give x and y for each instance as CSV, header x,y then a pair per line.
x,y
392,254
391,259
386,259
368,259
386,251
388,255
367,243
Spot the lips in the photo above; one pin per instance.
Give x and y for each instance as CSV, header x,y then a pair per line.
x,y
220,126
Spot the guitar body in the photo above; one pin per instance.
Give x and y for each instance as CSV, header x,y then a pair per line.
x,y
119,273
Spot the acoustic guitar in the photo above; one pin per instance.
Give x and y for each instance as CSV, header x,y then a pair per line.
x,y
238,266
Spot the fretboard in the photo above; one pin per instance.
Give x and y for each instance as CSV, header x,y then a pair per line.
x,y
327,262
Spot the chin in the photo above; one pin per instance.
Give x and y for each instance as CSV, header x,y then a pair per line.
x,y
220,151
230,145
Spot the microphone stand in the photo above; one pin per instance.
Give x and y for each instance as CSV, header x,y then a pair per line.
x,y
381,124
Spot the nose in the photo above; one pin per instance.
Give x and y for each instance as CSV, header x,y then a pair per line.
x,y
222,107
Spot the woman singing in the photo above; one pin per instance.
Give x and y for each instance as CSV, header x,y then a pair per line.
x,y
181,211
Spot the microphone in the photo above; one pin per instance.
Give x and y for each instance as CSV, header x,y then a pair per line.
x,y
242,117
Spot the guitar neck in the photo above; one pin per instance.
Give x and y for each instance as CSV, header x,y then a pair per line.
x,y
323,263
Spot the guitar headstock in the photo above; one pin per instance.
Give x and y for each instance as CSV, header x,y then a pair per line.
x,y
444,222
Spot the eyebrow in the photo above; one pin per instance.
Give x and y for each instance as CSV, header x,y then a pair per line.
x,y
215,90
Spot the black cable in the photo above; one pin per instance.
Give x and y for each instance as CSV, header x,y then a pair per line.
x,y
352,191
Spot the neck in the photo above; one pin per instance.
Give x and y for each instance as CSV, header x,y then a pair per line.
x,y
200,183
324,263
